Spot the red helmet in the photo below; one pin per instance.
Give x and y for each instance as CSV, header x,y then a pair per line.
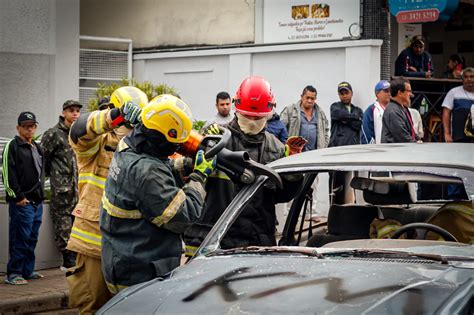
x,y
254,97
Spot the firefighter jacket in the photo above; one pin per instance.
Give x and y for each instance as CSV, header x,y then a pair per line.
x,y
60,163
94,143
256,224
143,213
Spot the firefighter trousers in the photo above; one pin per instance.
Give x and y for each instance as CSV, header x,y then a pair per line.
x,y
87,289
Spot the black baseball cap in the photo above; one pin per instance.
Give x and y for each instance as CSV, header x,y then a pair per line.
x,y
344,86
70,103
104,103
26,117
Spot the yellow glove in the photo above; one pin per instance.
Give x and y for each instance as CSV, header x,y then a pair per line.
x,y
212,129
203,166
294,145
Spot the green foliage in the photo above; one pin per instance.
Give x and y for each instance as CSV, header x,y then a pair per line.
x,y
147,87
198,124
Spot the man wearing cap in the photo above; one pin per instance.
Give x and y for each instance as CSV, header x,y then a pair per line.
x,y
104,103
414,61
61,167
23,181
346,118
372,121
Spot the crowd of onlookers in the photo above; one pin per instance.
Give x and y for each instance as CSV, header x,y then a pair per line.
x,y
87,179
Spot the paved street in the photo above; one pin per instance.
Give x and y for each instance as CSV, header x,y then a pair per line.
x,y
45,296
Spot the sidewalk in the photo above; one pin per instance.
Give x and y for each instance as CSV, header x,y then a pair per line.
x,y
48,295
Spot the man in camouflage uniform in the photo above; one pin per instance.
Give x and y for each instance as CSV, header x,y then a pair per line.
x,y
61,167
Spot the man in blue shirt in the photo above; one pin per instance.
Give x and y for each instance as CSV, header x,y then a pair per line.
x,y
305,118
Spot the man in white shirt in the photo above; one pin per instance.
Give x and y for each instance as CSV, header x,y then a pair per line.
x,y
456,106
417,123
224,110
372,120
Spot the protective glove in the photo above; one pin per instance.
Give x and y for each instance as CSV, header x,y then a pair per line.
x,y
181,165
212,129
294,145
203,166
131,112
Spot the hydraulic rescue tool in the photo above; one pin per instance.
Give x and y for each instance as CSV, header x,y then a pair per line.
x,y
237,165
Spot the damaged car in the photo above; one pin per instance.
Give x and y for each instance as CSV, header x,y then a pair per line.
x,y
398,239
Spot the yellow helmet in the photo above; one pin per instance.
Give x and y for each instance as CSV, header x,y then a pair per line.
x,y
170,116
128,93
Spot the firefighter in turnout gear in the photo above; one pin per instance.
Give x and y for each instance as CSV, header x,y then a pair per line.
x,y
61,167
254,102
144,208
94,138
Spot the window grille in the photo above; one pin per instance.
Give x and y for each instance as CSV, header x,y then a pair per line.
x,y
376,25
102,60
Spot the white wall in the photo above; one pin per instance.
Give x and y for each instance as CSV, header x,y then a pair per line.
x,y
199,75
39,59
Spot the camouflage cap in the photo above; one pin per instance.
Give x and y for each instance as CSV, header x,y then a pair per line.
x,y
70,103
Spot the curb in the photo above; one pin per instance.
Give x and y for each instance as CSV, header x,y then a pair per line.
x,y
36,303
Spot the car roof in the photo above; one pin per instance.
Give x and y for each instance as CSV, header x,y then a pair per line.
x,y
404,155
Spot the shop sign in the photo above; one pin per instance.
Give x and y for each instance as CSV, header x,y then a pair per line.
x,y
295,21
418,16
417,11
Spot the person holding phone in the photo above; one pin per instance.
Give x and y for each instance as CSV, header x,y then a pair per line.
x,y
454,67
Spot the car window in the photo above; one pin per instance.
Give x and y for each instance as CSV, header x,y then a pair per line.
x,y
354,205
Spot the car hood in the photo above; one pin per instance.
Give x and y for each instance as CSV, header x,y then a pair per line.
x,y
294,283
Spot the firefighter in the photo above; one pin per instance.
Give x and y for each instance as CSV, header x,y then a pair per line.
x,y
94,138
144,210
254,102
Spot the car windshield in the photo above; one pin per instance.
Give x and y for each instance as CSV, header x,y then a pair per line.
x,y
422,209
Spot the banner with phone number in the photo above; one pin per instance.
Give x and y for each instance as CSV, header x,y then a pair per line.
x,y
294,21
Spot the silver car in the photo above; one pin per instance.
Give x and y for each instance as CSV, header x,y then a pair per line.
x,y
397,239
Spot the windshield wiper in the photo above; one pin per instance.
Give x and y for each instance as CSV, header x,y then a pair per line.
x,y
266,250
325,253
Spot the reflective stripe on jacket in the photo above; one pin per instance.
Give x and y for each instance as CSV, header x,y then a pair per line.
x,y
256,224
144,211
94,145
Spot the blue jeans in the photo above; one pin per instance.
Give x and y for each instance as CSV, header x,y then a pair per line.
x,y
24,227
